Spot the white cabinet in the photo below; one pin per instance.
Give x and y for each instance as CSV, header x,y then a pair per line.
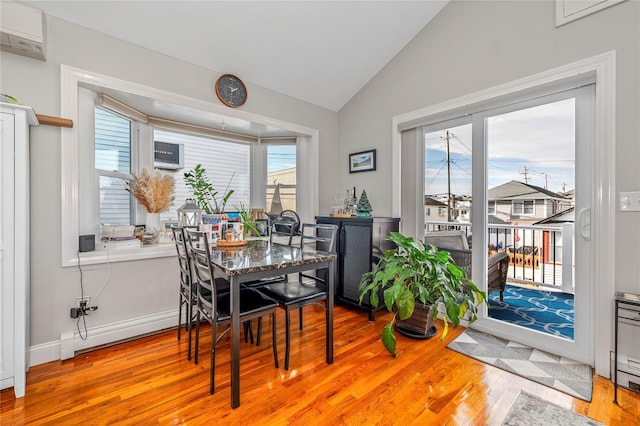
x,y
14,245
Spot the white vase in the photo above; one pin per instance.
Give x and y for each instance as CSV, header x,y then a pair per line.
x,y
153,222
152,228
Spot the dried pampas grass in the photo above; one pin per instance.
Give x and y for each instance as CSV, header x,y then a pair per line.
x,y
153,191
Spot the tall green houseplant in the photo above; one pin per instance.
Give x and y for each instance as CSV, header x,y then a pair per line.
x,y
206,196
414,272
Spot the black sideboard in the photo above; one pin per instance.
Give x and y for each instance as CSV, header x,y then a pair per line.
x,y
362,241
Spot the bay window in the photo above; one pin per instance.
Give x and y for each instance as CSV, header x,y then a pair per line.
x,y
115,126
113,147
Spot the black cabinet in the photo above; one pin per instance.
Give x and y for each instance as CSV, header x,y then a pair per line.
x,y
361,243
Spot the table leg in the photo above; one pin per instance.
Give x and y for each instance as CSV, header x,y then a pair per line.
x,y
329,313
615,359
235,341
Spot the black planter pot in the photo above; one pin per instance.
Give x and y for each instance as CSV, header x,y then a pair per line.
x,y
419,325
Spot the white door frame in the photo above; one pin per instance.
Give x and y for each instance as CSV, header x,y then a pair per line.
x,y
581,348
603,217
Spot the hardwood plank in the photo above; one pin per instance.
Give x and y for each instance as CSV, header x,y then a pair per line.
x,y
150,381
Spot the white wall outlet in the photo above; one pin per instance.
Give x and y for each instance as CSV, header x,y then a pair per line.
x,y
86,299
629,201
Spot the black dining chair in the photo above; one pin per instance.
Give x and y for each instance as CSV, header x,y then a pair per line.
x,y
310,288
187,294
277,228
282,227
215,307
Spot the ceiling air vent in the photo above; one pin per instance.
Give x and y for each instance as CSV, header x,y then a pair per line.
x,y
22,30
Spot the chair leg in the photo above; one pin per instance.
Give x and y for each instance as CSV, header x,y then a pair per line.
x,y
190,328
501,296
179,314
273,339
259,333
300,317
212,369
248,331
197,345
287,348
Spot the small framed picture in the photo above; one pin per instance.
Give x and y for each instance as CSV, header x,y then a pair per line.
x,y
364,161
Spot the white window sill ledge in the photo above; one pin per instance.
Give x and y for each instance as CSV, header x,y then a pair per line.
x,y
124,255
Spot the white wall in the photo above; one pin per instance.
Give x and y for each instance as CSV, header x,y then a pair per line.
x,y
138,288
470,46
476,45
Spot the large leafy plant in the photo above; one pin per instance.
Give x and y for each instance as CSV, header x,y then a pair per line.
x,y
414,272
206,196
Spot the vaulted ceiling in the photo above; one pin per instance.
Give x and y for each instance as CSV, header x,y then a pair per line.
x,y
322,52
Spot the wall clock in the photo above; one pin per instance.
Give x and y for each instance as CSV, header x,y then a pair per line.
x,y
231,90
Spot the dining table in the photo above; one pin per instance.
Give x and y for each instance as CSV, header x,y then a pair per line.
x,y
260,259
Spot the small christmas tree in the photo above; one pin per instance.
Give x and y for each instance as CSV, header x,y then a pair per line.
x,y
364,207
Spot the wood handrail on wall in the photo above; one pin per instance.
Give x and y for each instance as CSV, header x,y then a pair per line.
x,y
54,121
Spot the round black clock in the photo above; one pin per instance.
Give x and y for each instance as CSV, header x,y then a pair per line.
x,y
231,90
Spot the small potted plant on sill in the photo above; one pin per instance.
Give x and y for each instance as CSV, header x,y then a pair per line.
x,y
415,280
247,220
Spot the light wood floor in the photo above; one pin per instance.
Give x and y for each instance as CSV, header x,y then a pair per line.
x,y
150,381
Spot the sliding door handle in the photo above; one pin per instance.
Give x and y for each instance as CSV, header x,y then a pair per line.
x,y
584,223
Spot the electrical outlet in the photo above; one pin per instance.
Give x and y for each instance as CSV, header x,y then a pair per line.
x,y
629,201
83,302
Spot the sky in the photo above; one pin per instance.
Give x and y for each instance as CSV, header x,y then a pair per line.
x,y
540,138
281,157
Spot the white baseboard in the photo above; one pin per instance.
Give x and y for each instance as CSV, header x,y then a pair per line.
x,y
70,342
44,352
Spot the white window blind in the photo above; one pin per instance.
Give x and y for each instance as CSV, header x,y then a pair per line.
x,y
226,163
112,146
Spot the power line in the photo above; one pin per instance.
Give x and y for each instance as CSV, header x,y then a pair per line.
x,y
524,172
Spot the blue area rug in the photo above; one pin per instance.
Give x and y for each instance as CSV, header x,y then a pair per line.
x,y
548,312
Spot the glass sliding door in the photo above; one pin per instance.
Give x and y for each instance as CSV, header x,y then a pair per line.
x,y
537,188
448,177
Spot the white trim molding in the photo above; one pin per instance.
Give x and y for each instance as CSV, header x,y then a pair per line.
x,y
70,342
603,219
570,10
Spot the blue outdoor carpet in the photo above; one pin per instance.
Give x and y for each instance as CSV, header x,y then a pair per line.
x,y
545,311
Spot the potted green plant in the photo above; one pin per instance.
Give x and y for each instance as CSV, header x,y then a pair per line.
x,y
414,277
248,222
205,195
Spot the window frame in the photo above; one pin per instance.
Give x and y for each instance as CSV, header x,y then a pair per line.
x,y
524,204
134,146
491,207
72,81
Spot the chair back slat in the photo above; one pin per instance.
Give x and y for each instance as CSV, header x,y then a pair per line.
x,y
282,228
322,236
198,248
318,236
183,258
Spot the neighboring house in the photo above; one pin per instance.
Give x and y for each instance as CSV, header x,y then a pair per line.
x,y
570,202
554,243
434,210
523,203
286,178
564,216
463,206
